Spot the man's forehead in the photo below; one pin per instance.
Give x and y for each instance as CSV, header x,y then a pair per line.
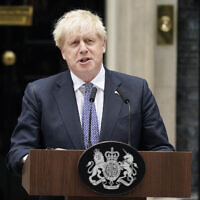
x,y
81,34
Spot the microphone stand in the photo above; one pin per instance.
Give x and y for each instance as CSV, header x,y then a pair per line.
x,y
90,131
126,101
92,98
129,121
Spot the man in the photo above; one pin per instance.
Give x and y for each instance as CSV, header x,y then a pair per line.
x,y
52,109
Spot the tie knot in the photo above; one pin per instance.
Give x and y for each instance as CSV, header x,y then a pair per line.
x,y
88,87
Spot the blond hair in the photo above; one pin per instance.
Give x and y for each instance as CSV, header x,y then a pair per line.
x,y
74,21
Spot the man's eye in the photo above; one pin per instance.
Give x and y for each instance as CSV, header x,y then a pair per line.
x,y
89,41
74,42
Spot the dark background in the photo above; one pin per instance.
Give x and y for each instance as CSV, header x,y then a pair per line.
x,y
188,86
36,57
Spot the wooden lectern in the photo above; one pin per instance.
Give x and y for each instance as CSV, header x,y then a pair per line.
x,y
55,173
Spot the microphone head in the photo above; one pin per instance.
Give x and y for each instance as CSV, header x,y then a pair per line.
x,y
93,94
120,93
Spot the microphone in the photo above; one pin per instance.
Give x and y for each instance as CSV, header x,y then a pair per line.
x,y
93,94
91,99
126,101
120,93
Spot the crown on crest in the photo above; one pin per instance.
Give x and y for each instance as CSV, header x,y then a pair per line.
x,y
111,155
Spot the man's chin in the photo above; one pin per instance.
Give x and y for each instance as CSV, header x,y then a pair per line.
x,y
87,76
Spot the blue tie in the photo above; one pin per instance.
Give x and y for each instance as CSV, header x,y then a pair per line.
x,y
85,118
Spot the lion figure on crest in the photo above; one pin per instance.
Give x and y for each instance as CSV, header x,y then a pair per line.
x,y
96,167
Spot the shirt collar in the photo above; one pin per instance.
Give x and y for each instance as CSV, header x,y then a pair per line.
x,y
77,82
98,81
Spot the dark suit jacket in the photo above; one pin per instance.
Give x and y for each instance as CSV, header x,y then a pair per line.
x,y
50,117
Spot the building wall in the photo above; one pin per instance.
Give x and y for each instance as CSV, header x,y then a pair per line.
x,y
132,49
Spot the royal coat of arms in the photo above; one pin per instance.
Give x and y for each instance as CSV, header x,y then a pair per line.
x,y
111,167
109,171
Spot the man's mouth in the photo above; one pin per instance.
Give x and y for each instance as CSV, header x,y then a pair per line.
x,y
84,60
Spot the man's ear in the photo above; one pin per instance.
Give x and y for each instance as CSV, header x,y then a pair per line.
x,y
104,46
62,52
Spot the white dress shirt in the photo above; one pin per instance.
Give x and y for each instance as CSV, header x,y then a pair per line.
x,y
99,83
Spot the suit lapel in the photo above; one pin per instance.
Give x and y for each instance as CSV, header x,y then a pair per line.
x,y
66,101
112,106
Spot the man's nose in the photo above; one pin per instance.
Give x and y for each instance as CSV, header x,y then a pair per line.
x,y
83,47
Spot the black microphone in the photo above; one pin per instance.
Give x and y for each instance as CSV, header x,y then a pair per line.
x,y
93,94
91,99
126,101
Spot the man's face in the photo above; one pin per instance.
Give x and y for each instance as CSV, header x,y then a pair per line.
x,y
83,52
